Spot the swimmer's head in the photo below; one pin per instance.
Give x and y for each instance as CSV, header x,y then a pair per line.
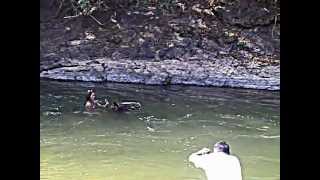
x,y
221,146
91,95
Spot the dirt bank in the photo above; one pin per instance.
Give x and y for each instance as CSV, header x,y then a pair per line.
x,y
227,43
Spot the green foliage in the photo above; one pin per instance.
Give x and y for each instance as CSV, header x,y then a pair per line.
x,y
84,5
87,7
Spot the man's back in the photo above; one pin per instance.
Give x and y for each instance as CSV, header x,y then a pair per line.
x,y
218,166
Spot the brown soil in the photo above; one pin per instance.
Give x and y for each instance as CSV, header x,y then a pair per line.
x,y
245,29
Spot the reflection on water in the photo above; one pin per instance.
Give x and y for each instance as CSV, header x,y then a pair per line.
x,y
154,143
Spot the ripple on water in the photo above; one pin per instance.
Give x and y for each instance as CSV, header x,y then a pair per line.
x,y
94,113
58,97
270,136
76,112
257,136
51,113
187,116
263,128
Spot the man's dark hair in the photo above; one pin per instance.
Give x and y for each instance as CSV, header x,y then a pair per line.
x,y
222,146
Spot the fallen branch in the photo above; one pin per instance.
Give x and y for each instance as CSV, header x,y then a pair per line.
x,y
96,20
69,17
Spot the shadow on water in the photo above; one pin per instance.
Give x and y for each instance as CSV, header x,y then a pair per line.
x,y
154,143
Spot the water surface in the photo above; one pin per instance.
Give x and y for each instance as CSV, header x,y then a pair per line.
x,y
154,143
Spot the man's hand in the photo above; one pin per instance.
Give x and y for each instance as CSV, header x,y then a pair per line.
x,y
203,151
197,157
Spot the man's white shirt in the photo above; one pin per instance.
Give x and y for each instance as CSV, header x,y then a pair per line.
x,y
218,165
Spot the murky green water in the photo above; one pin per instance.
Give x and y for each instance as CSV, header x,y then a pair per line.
x,y
112,146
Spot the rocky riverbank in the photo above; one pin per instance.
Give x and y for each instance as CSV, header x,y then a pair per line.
x,y
205,46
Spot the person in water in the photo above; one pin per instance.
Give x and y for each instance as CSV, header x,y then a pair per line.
x,y
91,103
219,164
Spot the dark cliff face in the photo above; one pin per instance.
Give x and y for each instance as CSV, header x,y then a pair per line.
x,y
146,31
245,31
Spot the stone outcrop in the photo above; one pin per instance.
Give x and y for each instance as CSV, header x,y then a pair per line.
x,y
220,72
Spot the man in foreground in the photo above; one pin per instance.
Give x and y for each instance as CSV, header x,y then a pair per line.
x,y
219,164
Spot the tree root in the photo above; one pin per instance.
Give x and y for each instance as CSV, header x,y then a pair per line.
x,y
59,8
274,26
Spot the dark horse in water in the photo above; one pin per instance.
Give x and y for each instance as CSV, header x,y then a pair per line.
x,y
125,106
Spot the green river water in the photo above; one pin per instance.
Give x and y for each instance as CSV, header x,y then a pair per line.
x,y
106,145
